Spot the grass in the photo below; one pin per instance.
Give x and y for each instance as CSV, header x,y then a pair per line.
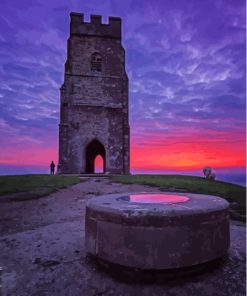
x,y
235,194
25,187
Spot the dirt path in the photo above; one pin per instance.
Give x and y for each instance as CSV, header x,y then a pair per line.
x,y
42,251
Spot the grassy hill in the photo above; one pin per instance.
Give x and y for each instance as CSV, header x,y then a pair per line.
x,y
234,194
25,187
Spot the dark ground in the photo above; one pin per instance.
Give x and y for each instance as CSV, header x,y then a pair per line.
x,y
42,251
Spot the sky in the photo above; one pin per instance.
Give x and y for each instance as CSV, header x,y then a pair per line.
x,y
186,66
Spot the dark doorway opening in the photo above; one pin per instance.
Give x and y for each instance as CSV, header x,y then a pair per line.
x,y
93,150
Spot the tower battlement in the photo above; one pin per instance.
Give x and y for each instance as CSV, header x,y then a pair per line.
x,y
95,27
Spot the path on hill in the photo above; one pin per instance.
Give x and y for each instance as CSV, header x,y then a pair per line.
x,y
42,251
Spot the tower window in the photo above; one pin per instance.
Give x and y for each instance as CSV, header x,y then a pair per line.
x,y
96,62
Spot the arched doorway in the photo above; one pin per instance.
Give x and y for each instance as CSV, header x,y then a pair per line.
x,y
93,149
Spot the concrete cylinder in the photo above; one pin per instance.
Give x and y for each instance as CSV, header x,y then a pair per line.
x,y
157,235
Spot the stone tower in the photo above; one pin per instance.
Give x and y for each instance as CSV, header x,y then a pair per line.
x,y
94,116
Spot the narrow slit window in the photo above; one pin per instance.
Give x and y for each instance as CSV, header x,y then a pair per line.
x,y
96,62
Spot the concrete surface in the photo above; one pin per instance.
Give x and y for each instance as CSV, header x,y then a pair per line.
x,y
42,251
155,235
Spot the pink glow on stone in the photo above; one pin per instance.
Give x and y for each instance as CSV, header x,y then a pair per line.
x,y
158,198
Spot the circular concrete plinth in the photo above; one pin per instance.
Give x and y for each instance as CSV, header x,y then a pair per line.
x,y
151,232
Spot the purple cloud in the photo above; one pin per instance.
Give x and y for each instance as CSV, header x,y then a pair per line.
x,y
185,61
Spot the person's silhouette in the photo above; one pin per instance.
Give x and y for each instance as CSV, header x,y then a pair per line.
x,y
52,167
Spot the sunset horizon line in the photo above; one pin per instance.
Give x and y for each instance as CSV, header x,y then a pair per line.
x,y
182,168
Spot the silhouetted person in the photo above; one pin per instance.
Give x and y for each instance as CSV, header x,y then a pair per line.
x,y
52,167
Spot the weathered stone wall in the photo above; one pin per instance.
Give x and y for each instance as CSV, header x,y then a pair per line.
x,y
94,105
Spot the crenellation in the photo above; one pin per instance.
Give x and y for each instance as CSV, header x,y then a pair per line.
x,y
95,27
115,22
76,19
96,20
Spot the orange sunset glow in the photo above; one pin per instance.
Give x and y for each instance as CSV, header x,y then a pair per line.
x,y
163,155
